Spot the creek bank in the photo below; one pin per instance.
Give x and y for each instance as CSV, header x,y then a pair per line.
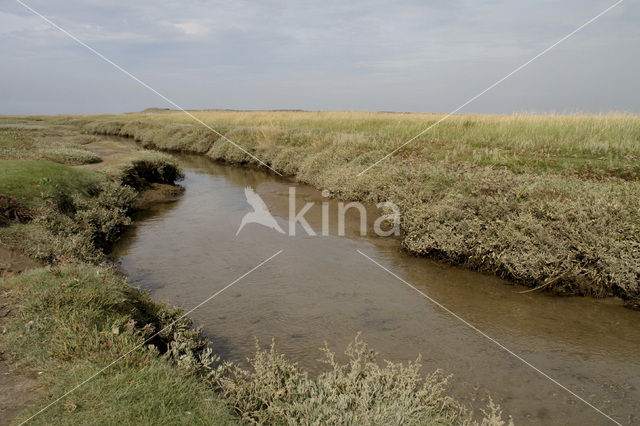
x,y
562,233
157,193
78,314
34,308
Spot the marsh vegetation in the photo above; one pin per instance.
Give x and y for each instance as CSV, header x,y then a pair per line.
x,y
77,313
547,201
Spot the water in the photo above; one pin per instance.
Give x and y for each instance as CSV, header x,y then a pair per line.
x,y
320,289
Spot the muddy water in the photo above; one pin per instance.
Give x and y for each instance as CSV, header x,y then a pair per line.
x,y
321,290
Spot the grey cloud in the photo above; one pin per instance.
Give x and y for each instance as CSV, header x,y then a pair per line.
x,y
407,55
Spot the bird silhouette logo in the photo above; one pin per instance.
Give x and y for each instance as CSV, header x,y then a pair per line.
x,y
260,213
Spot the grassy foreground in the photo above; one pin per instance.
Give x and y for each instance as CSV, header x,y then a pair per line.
x,y
550,201
70,321
77,314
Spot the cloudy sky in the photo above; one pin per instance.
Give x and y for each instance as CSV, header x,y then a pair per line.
x,y
428,56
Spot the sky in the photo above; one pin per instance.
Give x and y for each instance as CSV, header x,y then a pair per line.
x,y
422,56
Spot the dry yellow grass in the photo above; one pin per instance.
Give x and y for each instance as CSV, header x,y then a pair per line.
x,y
601,144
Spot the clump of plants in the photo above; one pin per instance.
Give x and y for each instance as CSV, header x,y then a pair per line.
x,y
276,391
76,228
12,210
149,168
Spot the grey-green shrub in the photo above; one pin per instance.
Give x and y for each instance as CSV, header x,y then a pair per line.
x,y
79,233
276,391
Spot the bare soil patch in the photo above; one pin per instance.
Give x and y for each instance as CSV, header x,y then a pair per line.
x,y
12,262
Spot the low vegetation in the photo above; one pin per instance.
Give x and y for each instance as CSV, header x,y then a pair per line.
x,y
547,201
71,318
275,391
38,182
26,141
70,321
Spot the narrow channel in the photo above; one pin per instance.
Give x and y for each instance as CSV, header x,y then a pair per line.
x,y
320,289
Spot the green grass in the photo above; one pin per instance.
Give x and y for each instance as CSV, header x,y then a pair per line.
x,y
152,394
36,181
72,321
